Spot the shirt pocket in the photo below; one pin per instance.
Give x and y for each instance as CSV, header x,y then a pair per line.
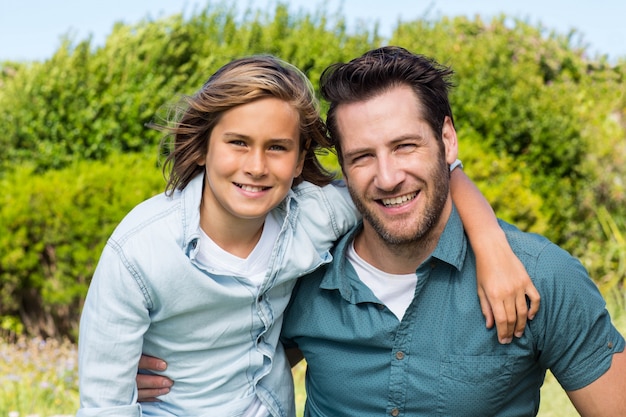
x,y
474,385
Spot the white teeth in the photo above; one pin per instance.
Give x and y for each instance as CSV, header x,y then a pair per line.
x,y
251,189
387,202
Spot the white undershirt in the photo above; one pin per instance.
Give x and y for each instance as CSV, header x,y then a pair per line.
x,y
218,261
393,290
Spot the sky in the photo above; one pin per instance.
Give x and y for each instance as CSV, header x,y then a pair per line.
x,y
32,29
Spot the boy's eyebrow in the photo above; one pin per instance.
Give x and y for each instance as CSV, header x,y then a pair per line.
x,y
235,135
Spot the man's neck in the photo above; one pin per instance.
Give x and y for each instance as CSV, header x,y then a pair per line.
x,y
393,259
397,258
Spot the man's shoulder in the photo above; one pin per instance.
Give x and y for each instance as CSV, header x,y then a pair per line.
x,y
541,257
530,243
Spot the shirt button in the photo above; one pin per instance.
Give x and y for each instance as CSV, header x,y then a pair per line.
x,y
260,298
610,345
399,355
395,412
380,306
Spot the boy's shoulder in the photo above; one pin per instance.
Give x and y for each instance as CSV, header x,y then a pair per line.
x,y
148,213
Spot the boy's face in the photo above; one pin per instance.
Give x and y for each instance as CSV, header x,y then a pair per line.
x,y
252,157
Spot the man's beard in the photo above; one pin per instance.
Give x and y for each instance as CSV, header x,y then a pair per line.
x,y
422,226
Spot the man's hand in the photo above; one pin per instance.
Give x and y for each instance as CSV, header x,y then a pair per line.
x,y
149,387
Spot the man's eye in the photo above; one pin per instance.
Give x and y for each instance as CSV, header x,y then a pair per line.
x,y
406,146
277,148
360,158
238,142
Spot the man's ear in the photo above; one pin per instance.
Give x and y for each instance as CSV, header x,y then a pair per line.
x,y
450,142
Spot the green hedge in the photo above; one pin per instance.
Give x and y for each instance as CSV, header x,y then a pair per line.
x,y
541,126
53,227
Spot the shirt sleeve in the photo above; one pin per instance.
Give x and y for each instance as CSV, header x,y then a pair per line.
x,y
576,339
326,212
114,319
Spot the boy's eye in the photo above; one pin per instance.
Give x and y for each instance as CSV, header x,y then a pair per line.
x,y
237,142
277,148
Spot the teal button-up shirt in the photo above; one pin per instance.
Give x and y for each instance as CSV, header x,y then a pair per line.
x,y
440,360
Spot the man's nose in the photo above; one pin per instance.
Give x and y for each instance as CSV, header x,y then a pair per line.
x,y
388,174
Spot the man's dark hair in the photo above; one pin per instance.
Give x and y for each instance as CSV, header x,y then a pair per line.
x,y
379,70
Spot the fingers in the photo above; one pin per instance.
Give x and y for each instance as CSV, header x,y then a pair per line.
x,y
502,313
150,395
485,306
153,382
505,318
522,315
534,299
511,317
149,387
152,363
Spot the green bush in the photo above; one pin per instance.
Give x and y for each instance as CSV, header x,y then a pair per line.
x,y
542,129
53,227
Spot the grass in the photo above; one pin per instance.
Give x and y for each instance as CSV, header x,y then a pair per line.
x,y
39,378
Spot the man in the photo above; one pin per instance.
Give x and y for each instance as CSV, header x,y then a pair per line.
x,y
393,326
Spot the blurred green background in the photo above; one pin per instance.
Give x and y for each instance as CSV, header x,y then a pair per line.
x,y
542,129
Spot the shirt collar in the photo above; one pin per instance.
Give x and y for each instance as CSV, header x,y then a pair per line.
x,y
451,249
191,197
452,246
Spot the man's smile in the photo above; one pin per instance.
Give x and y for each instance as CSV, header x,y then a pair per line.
x,y
398,201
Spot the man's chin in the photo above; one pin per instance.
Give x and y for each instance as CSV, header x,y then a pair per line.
x,y
395,233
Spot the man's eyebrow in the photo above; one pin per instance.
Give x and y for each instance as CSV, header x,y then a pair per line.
x,y
356,151
410,136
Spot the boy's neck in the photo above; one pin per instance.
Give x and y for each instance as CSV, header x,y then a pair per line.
x,y
238,238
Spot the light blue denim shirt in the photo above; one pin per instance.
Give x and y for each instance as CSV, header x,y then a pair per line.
x,y
219,334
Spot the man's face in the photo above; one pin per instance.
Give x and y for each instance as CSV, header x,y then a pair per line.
x,y
395,167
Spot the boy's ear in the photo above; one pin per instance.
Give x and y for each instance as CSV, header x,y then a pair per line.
x,y
300,165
